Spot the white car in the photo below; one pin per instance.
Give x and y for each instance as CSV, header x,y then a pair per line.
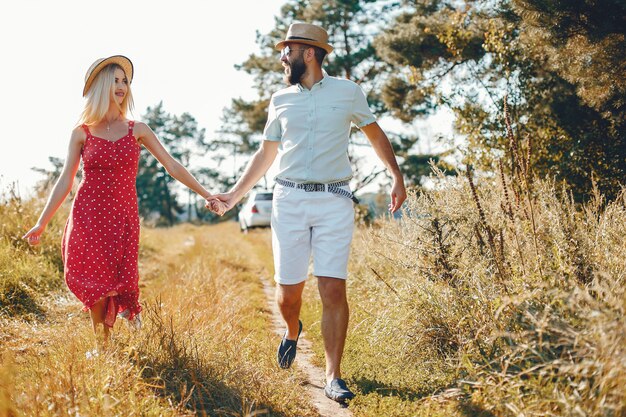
x,y
256,211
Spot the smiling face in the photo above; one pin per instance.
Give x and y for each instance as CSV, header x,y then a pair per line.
x,y
110,89
120,86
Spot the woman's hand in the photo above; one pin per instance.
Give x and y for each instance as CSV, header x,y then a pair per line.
x,y
33,236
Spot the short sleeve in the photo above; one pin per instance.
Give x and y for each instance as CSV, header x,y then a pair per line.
x,y
361,113
273,129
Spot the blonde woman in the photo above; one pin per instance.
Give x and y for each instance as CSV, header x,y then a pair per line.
x,y
101,236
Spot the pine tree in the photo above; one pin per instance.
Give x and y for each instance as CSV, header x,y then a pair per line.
x,y
469,55
351,25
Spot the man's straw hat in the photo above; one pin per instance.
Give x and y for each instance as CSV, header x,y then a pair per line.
x,y
97,66
307,34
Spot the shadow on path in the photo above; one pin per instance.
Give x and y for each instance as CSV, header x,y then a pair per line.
x,y
464,404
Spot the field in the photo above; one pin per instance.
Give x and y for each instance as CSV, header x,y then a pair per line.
x,y
489,297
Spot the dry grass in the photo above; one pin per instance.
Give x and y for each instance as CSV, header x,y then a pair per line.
x,y
205,349
25,279
491,297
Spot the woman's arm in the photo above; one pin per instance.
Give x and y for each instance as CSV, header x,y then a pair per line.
x,y
146,136
61,188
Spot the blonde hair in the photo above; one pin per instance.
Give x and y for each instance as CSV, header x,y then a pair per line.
x,y
98,97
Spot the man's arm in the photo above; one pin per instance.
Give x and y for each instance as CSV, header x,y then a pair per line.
x,y
256,168
383,149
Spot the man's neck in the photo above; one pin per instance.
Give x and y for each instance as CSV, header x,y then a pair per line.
x,y
312,76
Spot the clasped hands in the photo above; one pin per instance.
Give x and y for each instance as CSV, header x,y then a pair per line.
x,y
220,203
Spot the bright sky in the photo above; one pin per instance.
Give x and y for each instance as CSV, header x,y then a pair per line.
x,y
183,51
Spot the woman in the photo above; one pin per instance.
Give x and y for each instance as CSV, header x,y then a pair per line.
x,y
101,236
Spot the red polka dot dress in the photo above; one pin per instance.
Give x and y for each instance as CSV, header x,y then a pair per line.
x,y
101,238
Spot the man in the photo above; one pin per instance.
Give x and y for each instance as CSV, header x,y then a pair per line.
x,y
308,127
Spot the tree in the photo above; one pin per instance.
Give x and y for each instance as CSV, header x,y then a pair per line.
x,y
50,176
157,190
351,25
469,55
585,43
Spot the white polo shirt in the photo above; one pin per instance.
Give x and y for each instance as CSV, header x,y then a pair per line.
x,y
313,128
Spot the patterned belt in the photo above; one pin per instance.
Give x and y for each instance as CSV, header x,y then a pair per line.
x,y
333,187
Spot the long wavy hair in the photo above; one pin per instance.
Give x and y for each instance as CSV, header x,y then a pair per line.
x,y
100,94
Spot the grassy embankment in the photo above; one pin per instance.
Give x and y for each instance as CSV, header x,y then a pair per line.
x,y
205,349
496,298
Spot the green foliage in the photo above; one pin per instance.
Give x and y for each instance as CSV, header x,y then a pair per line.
x,y
585,43
560,64
351,25
156,189
417,167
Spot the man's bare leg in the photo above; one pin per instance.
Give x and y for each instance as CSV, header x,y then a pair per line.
x,y
289,300
335,316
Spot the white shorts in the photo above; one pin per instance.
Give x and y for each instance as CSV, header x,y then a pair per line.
x,y
305,223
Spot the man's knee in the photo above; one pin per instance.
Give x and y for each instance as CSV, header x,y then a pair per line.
x,y
332,291
288,295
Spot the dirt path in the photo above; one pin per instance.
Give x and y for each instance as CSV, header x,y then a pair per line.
x,y
315,376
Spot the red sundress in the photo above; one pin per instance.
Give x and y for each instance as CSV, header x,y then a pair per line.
x,y
101,237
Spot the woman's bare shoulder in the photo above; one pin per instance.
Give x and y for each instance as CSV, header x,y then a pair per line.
x,y
78,134
142,131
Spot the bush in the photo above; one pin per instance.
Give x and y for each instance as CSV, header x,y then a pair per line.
x,y
501,293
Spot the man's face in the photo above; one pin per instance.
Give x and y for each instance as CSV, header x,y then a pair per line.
x,y
293,62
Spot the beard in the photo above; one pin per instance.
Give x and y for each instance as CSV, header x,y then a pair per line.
x,y
297,68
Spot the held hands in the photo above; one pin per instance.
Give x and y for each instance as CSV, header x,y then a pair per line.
x,y
33,236
220,203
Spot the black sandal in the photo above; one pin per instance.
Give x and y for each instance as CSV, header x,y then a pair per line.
x,y
287,349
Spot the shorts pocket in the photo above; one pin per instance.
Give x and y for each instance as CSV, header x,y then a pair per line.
x,y
280,192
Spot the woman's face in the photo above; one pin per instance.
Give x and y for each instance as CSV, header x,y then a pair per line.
x,y
121,86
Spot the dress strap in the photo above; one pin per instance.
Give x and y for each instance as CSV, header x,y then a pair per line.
x,y
131,124
86,129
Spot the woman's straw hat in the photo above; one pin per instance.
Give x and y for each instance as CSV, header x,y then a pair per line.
x,y
307,34
97,66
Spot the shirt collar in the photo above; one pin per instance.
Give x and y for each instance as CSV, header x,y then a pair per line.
x,y
319,84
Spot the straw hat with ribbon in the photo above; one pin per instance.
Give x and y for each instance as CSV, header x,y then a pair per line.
x,y
97,66
307,34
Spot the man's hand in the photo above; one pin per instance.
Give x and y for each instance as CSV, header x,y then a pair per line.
x,y
398,195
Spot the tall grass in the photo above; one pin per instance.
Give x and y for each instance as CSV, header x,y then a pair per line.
x,y
205,349
24,278
491,296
